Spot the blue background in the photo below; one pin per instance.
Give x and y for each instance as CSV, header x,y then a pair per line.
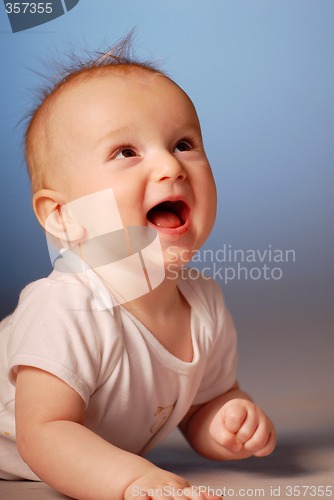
x,y
261,74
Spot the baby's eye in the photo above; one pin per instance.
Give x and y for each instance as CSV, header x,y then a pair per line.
x,y
124,152
182,146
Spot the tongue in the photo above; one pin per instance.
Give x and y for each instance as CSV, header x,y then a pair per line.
x,y
165,218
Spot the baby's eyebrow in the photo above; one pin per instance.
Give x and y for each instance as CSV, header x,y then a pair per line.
x,y
189,127
111,134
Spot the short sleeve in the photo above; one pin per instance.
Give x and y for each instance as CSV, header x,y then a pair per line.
x,y
54,329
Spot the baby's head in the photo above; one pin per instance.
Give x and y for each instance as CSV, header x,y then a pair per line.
x,y
121,125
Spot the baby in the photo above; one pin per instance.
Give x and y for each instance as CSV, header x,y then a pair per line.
x,y
100,362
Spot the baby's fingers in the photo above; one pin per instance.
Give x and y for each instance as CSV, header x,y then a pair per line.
x,y
210,497
249,426
225,438
263,441
268,447
233,416
224,426
197,493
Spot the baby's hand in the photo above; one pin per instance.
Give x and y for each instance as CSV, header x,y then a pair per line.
x,y
240,426
158,483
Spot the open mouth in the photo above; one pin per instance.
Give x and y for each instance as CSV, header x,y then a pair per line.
x,y
169,214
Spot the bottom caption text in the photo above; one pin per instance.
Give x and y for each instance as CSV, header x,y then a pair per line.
x,y
273,491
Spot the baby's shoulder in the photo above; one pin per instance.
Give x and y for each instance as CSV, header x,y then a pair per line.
x,y
61,311
64,302
58,291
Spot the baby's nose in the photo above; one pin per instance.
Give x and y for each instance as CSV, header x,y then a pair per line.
x,y
168,168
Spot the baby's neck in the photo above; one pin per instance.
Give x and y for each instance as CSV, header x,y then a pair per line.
x,y
166,314
160,302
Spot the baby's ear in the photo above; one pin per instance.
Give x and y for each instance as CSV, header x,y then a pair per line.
x,y
51,212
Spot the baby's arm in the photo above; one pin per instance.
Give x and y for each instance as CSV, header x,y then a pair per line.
x,y
229,427
52,439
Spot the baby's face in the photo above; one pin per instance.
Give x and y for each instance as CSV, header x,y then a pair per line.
x,y
138,133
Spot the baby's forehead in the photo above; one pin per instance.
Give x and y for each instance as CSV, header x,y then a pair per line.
x,y
116,77
86,97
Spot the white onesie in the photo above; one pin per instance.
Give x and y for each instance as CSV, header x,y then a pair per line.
x,y
135,391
